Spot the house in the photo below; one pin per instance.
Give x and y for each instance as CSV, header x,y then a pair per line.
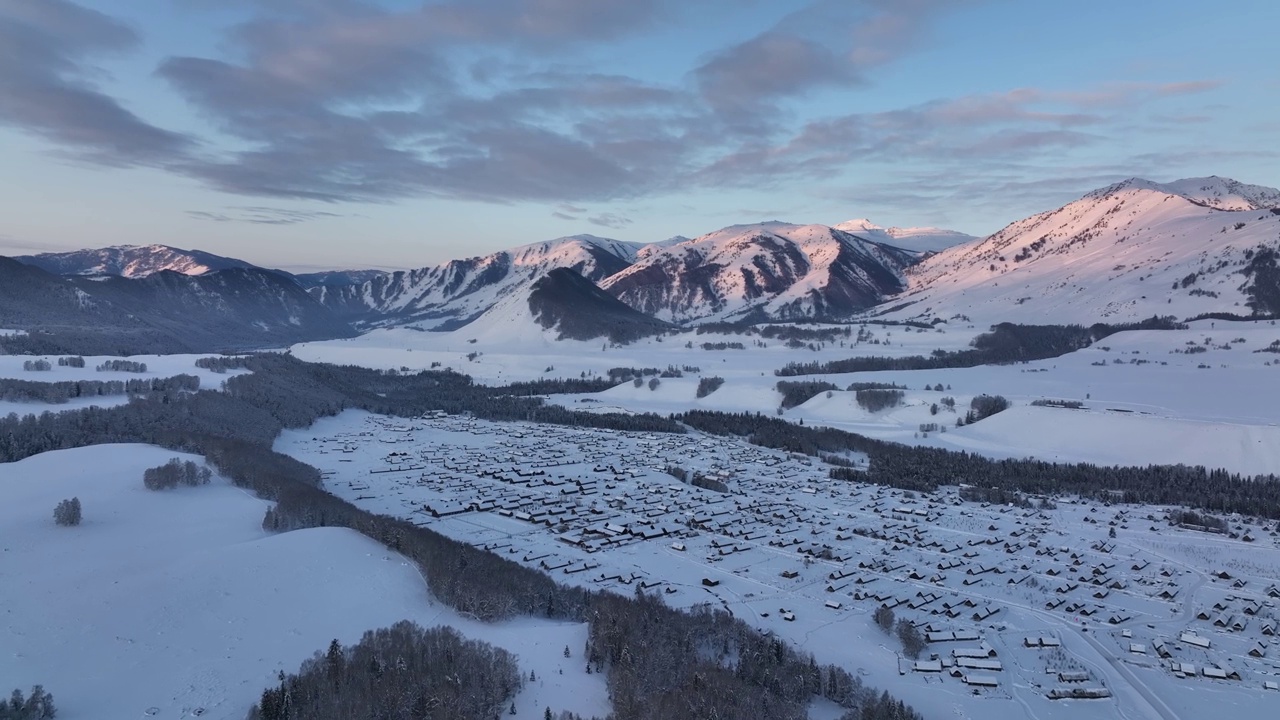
x,y
981,680
1258,650
979,664
982,651
1041,642
1194,640
929,666
1137,648
984,613
1073,675
708,582
1078,693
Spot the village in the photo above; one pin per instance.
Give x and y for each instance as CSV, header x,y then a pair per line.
x,y
1054,599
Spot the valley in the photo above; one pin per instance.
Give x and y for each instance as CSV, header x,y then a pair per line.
x,y
870,459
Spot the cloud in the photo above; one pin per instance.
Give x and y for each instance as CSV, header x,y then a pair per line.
x,y
971,131
505,101
47,88
261,215
767,67
610,220
892,28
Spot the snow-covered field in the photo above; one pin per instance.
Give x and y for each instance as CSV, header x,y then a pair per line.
x,y
176,604
1146,398
158,366
810,560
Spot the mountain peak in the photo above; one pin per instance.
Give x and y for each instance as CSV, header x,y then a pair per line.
x,y
132,261
856,225
1213,191
775,268
919,239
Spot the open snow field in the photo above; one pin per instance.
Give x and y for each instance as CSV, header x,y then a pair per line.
x,y
158,366
795,554
1193,396
175,604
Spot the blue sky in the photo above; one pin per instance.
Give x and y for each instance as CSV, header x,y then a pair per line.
x,y
360,133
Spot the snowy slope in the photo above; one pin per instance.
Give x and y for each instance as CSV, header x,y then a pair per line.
x,y
457,291
920,239
176,604
132,261
1125,252
773,268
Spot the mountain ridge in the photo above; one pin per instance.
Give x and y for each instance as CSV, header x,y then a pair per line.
x,y
1123,252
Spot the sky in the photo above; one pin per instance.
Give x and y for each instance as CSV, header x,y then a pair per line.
x,y
312,134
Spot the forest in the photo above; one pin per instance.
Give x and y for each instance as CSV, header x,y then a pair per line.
x,y
1006,343
398,673
65,390
926,469
234,429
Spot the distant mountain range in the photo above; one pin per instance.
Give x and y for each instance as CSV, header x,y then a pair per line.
x,y
1124,252
166,311
131,261
920,239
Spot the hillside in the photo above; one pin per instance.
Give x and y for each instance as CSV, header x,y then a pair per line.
x,y
453,293
131,261
162,312
565,301
768,269
1121,253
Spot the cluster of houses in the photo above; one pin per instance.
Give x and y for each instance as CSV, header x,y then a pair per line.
x,y
935,556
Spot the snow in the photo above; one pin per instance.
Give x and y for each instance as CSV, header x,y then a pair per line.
x,y
1121,253
1145,400
158,366
771,500
920,239
178,600
742,261
463,289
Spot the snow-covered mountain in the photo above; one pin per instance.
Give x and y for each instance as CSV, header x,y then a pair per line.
x,y
131,261
455,292
165,311
337,277
1124,252
557,307
771,269
920,239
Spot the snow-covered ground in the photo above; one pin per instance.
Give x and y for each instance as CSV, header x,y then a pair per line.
x,y
1170,396
172,604
795,554
158,366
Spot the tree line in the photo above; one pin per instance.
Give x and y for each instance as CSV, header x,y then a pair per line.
x,y
65,390
403,672
1005,343
234,431
925,469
